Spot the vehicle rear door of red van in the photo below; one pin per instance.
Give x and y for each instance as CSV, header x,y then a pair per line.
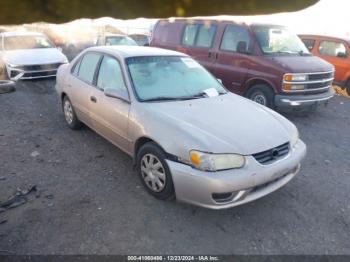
x,y
198,40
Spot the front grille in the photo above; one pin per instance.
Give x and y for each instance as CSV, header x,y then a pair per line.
x,y
320,76
268,156
39,74
39,67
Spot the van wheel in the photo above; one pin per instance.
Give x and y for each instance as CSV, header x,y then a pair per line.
x,y
70,115
261,94
154,171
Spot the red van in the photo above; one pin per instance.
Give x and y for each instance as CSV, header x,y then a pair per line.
x,y
265,63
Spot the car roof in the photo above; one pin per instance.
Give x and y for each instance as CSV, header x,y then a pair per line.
x,y
135,51
110,34
21,33
325,37
240,20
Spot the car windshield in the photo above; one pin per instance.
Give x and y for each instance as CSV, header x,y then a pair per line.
x,y
26,42
119,40
171,78
278,40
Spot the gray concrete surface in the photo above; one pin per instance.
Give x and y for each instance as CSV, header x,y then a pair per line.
x,y
92,202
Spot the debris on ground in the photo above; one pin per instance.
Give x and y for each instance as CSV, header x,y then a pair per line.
x,y
3,221
34,154
18,199
2,178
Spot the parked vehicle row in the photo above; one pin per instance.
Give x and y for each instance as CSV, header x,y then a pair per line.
x,y
146,99
266,63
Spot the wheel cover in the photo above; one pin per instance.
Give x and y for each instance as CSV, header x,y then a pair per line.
x,y
68,112
259,98
153,173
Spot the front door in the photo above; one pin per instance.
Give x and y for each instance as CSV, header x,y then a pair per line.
x,y
110,115
232,67
336,53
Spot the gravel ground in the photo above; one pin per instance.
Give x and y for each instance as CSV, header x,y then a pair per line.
x,y
90,200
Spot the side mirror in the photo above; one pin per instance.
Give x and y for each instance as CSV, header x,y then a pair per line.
x,y
242,47
119,93
341,54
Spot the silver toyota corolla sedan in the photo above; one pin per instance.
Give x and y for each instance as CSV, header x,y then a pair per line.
x,y
189,137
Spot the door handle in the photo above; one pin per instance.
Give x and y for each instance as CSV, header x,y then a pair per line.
x,y
213,55
93,99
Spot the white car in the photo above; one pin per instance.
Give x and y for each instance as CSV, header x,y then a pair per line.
x,y
29,55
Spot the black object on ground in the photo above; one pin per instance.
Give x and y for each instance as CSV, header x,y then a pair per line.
x,y
7,86
18,199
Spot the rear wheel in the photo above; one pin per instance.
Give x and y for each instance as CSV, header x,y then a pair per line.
x,y
154,171
261,94
347,88
69,114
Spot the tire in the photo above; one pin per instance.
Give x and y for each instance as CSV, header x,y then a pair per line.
x,y
7,86
70,115
347,88
156,178
261,94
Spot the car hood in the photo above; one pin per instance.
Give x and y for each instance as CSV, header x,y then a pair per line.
x,y
302,64
223,124
34,56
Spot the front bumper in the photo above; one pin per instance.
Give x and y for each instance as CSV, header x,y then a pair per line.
x,y
300,101
251,182
16,73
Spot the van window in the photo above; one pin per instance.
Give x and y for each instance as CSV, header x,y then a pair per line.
x,y
232,36
205,35
189,34
309,43
331,48
88,67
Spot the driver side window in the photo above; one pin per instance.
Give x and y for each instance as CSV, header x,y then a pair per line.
x,y
110,74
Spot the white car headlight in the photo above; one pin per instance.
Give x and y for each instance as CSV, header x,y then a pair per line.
x,y
295,137
215,162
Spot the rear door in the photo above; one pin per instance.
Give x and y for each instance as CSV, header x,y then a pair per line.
x,y
80,85
202,49
230,66
337,53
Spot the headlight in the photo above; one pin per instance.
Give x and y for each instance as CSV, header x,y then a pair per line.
x,y
215,162
295,77
295,137
11,65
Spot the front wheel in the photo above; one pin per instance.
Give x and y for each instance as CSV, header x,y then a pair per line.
x,y
154,171
261,94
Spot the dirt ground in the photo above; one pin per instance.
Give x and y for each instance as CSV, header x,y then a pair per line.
x,y
89,200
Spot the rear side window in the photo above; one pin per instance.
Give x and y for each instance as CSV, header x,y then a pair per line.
x,y
331,48
232,36
309,43
88,67
205,35
76,68
189,34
